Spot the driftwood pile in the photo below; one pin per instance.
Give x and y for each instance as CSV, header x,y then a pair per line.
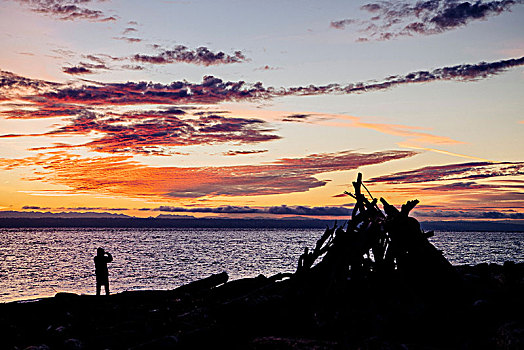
x,y
375,243
375,282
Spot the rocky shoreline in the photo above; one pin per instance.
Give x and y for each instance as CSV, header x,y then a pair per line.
x,y
483,310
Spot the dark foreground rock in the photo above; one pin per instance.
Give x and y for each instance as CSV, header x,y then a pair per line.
x,y
483,310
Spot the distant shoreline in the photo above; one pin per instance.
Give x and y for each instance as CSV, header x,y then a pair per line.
x,y
483,226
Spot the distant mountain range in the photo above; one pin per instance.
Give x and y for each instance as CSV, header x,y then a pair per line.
x,y
70,215
13,219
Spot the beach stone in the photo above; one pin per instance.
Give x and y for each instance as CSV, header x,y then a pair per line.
x,y
285,343
480,304
482,269
73,344
167,342
376,343
510,336
37,347
64,295
483,310
60,330
510,273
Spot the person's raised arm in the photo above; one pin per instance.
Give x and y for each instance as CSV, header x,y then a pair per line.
x,y
109,257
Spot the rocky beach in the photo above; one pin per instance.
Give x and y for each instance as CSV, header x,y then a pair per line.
x,y
483,310
374,282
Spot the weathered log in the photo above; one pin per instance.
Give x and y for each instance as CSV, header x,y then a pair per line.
x,y
406,208
388,208
204,284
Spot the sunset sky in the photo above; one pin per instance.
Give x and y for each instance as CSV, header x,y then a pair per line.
x,y
261,108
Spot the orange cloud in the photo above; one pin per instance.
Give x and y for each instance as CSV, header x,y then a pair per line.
x,y
123,176
411,133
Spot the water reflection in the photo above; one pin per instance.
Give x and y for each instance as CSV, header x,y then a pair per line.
x,y
41,262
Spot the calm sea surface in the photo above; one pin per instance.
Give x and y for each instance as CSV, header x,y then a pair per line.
x,y
41,262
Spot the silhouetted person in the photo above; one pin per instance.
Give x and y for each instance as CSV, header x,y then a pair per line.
x,y
102,276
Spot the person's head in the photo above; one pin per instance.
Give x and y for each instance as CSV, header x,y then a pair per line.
x,y
100,251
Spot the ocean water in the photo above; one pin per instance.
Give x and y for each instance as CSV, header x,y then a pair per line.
x,y
41,262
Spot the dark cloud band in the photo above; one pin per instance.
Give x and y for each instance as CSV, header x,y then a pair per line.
x,y
275,210
214,90
200,56
474,170
470,214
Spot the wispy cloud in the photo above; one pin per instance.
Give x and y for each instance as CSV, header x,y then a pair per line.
x,y
13,85
120,175
413,135
21,111
128,39
200,56
129,30
418,147
67,10
267,68
298,118
180,54
462,72
104,62
391,19
101,58
84,68
237,153
77,70
474,170
132,67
